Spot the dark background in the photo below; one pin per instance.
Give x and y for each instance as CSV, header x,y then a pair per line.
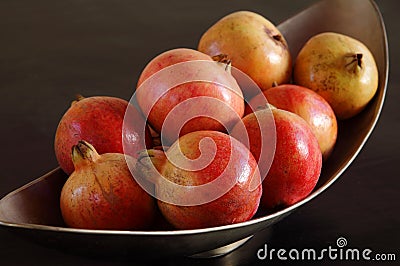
x,y
52,50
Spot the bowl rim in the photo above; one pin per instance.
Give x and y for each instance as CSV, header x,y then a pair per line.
x,y
382,87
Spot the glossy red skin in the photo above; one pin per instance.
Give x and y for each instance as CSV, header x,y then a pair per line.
x,y
311,107
98,120
104,195
297,163
239,204
183,92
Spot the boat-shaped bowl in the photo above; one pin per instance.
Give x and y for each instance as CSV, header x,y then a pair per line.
x,y
33,210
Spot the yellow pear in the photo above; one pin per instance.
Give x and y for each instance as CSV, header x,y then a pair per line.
x,y
339,68
253,44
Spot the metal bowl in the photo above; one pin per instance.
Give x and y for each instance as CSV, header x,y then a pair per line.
x,y
33,210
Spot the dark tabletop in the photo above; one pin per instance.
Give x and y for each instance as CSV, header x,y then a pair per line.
x,y
52,50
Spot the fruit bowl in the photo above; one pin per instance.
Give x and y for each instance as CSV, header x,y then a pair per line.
x,y
33,210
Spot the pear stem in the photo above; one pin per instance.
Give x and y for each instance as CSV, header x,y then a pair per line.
x,y
83,152
354,58
78,98
147,160
223,59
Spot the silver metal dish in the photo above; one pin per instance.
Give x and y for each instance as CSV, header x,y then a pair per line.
x,y
33,210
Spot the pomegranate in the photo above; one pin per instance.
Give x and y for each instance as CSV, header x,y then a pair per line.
x,y
184,90
297,162
102,194
339,68
99,120
254,45
205,179
310,106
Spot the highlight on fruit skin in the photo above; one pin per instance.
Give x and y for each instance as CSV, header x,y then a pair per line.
x,y
183,90
309,105
297,162
100,121
253,44
104,189
205,179
339,68
102,194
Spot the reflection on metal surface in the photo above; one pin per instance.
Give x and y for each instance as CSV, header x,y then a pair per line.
x,y
222,250
33,209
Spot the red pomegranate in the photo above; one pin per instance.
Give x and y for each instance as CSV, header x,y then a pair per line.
x,y
184,90
99,120
102,194
297,161
205,179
